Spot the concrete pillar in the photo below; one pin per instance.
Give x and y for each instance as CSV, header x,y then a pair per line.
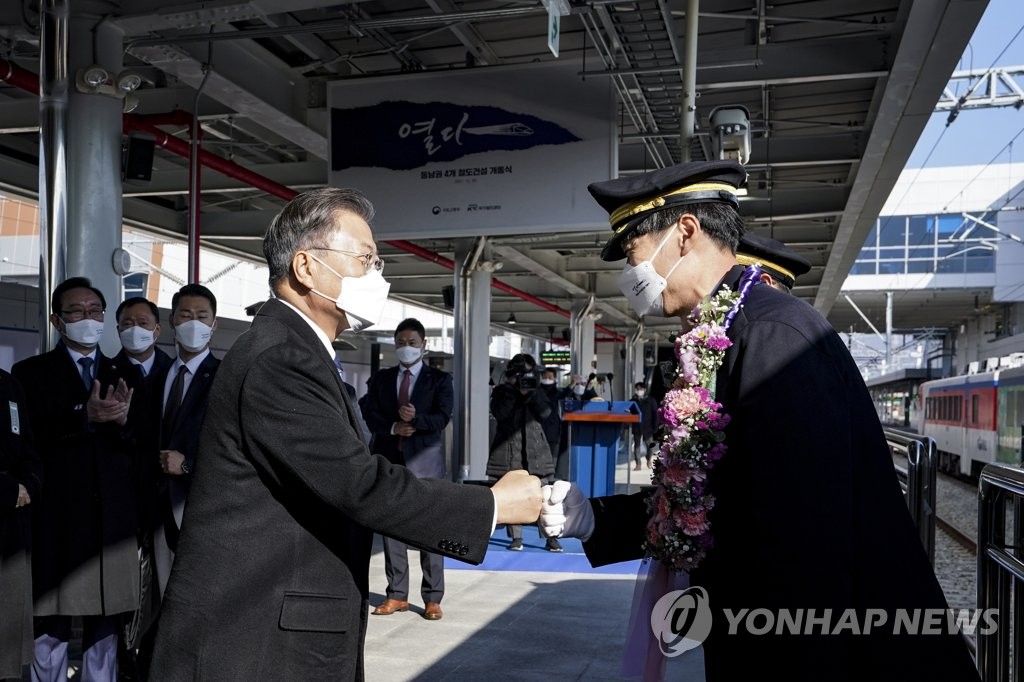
x,y
472,333
94,161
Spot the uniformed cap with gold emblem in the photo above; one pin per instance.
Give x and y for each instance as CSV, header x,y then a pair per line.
x,y
774,257
631,199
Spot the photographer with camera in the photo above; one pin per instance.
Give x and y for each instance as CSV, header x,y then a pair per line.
x,y
519,440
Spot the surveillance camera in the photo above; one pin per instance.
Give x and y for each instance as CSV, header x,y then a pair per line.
x,y
730,133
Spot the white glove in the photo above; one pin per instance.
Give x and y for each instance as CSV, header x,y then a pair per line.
x,y
565,512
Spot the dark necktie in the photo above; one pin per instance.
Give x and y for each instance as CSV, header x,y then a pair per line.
x,y
403,397
173,403
403,389
86,364
341,370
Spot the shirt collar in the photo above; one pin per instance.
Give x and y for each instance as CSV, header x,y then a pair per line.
x,y
193,364
146,365
76,356
319,332
414,371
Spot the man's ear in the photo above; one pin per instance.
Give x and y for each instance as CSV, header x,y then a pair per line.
x,y
302,269
55,321
687,228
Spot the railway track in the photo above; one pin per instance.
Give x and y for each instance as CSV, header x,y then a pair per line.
x,y
957,535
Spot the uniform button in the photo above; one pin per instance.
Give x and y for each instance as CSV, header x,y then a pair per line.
x,y
463,552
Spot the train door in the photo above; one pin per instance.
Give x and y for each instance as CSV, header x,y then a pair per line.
x,y
964,445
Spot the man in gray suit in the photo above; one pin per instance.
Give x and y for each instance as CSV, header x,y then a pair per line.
x,y
407,408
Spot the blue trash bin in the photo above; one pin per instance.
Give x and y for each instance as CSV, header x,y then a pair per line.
x,y
595,429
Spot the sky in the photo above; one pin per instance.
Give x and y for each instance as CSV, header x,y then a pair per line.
x,y
981,135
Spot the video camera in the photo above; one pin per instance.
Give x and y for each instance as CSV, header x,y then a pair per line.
x,y
528,381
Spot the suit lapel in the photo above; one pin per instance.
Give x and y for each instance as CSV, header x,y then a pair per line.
x,y
279,311
422,385
197,387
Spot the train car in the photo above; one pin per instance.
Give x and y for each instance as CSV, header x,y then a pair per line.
x,y
975,419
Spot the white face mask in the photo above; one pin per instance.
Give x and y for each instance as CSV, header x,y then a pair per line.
x,y
578,389
85,332
408,355
547,382
136,339
193,335
643,286
640,393
362,299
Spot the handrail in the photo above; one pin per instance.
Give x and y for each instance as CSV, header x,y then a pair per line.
x,y
1000,566
921,475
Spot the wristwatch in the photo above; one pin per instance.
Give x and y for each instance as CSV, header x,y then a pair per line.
x,y
185,468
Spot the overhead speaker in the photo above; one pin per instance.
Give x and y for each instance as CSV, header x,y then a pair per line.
x,y
448,294
138,159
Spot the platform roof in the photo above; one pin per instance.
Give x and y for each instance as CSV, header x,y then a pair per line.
x,y
838,91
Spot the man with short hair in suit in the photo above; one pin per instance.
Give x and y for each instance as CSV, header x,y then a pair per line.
x,y
271,577
138,327
179,413
407,408
84,546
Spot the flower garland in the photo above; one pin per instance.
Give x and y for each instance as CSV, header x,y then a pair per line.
x,y
679,533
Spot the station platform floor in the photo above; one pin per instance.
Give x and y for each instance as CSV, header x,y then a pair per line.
x,y
530,615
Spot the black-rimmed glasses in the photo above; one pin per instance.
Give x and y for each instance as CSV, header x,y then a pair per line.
x,y
78,314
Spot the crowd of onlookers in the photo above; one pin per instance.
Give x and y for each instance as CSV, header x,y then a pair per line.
x,y
95,466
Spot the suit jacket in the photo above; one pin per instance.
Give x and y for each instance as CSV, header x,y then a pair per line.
x,y
135,378
808,511
433,397
84,546
18,466
184,433
140,420
270,580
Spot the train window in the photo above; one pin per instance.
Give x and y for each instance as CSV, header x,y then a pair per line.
x,y
974,408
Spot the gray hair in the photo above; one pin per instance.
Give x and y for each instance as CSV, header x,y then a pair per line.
x,y
306,221
720,222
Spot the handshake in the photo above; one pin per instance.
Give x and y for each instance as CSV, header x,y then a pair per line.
x,y
559,510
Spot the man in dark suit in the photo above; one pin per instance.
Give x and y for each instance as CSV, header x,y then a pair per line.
x,y
138,327
270,581
178,412
21,479
807,511
84,547
407,408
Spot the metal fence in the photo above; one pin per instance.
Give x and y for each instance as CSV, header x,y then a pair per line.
x,y
1000,571
918,482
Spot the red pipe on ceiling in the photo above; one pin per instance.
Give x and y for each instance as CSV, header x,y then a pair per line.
x,y
26,80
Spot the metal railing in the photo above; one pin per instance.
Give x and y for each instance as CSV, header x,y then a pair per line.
x,y
1000,571
918,482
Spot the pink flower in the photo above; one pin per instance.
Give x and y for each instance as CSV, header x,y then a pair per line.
x,y
681,475
693,522
682,403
